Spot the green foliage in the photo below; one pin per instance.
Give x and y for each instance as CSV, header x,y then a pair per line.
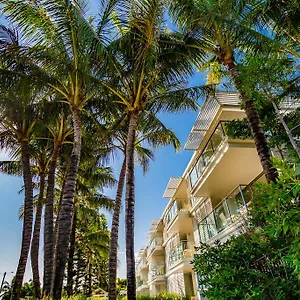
x,y
277,209
262,262
238,129
162,296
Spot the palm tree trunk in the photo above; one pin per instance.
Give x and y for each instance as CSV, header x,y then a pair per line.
x,y
48,224
114,236
129,211
35,244
66,212
70,271
260,139
57,216
287,130
27,223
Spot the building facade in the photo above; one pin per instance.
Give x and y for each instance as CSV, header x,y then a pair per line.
x,y
207,203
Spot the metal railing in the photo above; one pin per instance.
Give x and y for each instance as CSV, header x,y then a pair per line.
x,y
210,149
140,264
178,205
159,270
140,283
179,252
227,212
157,241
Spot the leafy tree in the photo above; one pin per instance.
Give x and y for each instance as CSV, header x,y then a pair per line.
x,y
263,261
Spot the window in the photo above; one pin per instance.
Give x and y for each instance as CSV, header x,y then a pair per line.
x,y
204,159
222,216
217,136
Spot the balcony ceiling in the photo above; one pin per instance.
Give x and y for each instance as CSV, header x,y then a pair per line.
x,y
238,164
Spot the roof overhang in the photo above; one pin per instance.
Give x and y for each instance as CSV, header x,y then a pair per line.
x,y
205,117
172,187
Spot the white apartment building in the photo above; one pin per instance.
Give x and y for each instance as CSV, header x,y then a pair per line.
x,y
206,203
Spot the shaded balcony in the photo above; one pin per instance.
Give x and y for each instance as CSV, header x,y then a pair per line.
x,y
155,247
181,254
223,162
142,265
226,213
178,218
157,274
141,285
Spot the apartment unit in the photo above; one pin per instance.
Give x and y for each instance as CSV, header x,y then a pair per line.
x,y
207,203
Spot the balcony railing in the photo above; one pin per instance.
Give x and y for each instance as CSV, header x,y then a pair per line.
x,y
179,252
140,283
226,213
210,149
157,241
157,271
178,205
140,264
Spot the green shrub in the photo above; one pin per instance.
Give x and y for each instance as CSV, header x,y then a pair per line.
x,y
262,263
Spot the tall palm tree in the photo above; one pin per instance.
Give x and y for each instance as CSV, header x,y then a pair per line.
x,y
282,18
221,31
150,77
60,132
152,132
64,38
39,163
18,116
41,158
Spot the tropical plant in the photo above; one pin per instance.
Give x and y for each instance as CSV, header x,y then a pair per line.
x,y
263,261
151,132
64,38
19,113
150,77
221,32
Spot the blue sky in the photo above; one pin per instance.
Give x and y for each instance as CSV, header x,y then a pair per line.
x,y
149,190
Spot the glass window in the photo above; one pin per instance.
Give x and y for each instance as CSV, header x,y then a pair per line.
x,y
207,228
217,137
248,194
193,176
236,204
207,153
222,216
200,165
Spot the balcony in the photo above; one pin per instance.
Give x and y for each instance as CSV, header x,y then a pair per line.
x,y
181,254
157,274
142,265
222,163
228,211
141,285
156,247
178,217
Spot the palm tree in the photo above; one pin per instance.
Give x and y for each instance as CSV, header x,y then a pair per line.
x,y
150,77
282,18
64,38
38,168
19,112
87,198
220,30
154,133
60,131
41,160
